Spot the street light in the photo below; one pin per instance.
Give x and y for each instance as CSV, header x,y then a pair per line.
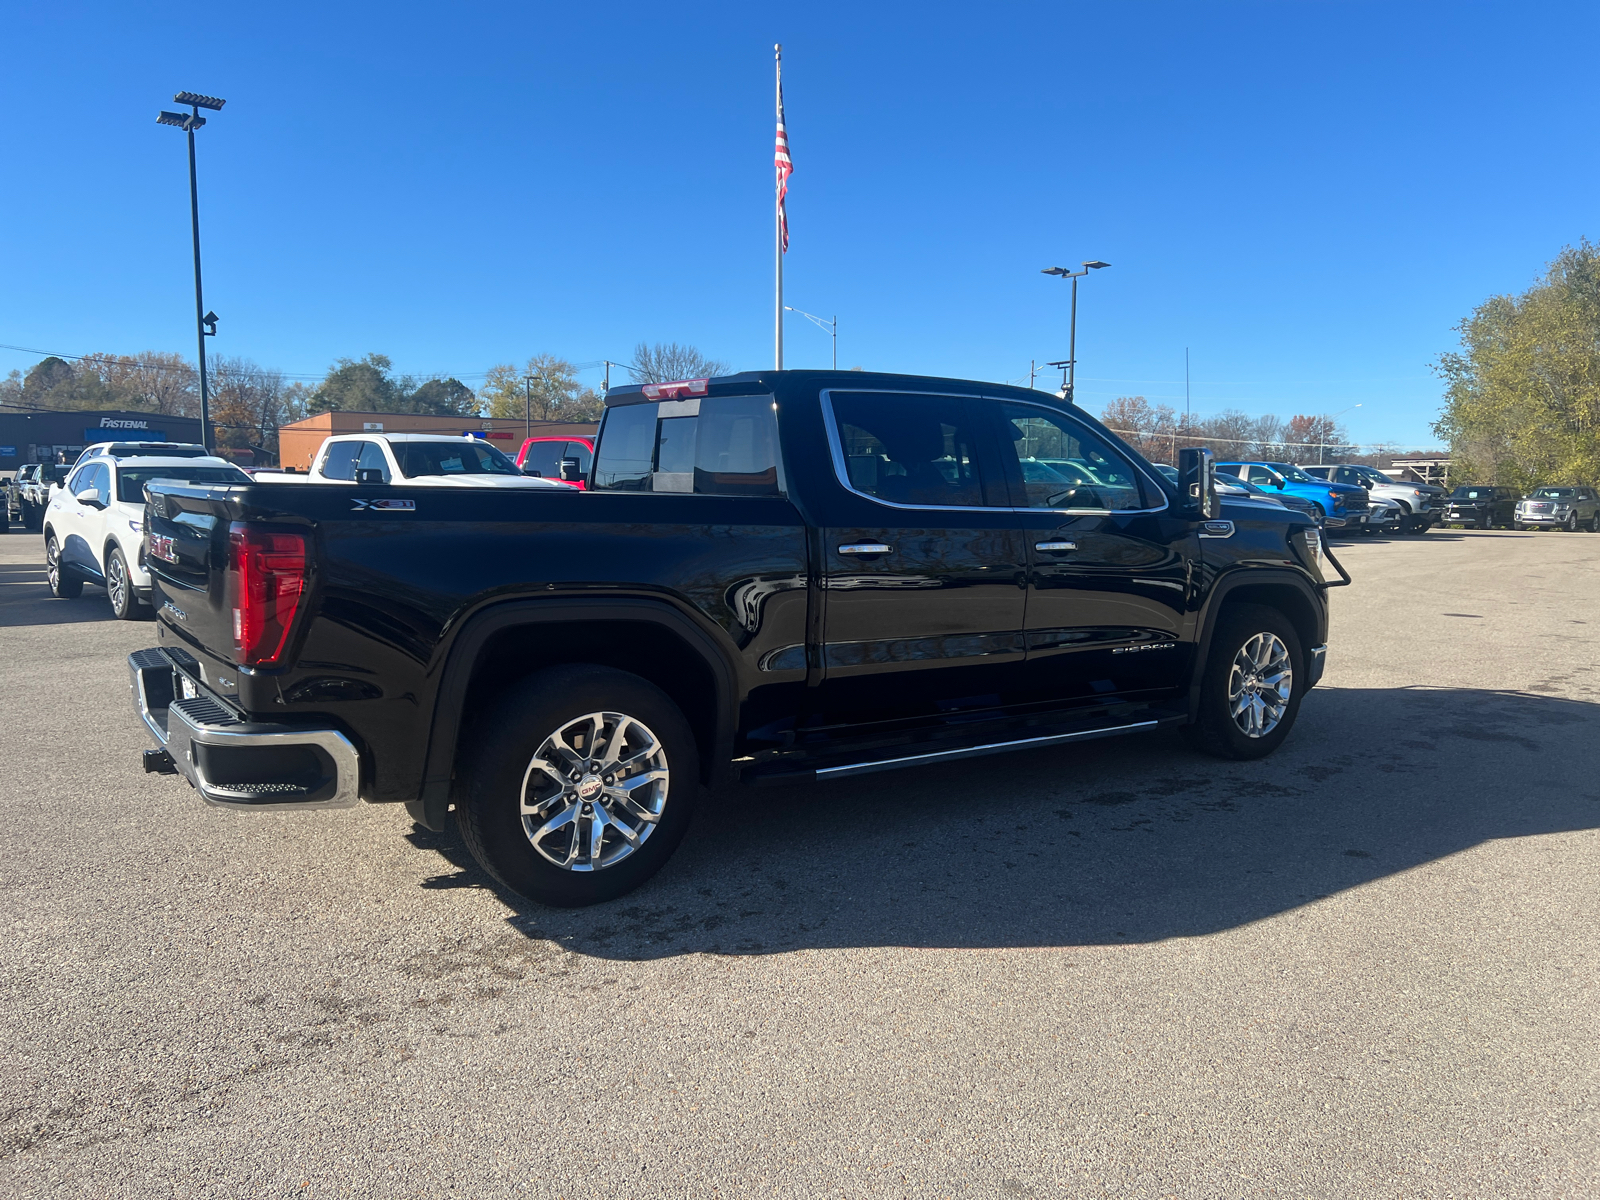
x,y
205,323
1071,363
1322,447
831,326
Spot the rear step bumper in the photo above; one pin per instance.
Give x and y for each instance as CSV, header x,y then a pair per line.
x,y
240,764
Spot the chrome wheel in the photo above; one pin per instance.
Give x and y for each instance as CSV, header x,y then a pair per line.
x,y
117,583
1260,685
52,564
594,791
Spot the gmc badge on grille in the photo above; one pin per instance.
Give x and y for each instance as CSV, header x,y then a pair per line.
x,y
161,547
385,505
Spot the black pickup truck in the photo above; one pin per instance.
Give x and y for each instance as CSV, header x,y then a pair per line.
x,y
771,576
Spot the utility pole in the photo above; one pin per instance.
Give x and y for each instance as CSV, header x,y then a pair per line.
x,y
205,322
527,405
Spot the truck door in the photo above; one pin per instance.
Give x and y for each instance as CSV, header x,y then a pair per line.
x,y
922,562
1108,563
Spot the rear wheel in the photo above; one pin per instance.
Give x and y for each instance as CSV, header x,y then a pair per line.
x,y
582,785
62,582
1251,689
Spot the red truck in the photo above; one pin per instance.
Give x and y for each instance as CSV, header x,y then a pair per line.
x,y
543,456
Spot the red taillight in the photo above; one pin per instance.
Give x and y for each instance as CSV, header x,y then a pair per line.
x,y
266,577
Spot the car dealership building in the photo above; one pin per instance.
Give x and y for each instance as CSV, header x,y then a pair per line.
x,y
27,437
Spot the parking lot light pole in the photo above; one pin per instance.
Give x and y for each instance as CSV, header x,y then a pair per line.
x,y
1322,448
831,326
1069,382
205,322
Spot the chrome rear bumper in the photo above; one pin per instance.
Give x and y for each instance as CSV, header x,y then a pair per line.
x,y
240,764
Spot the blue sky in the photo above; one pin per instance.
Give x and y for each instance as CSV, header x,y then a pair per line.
x,y
1307,196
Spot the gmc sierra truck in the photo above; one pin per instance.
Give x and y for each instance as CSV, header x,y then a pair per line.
x,y
772,576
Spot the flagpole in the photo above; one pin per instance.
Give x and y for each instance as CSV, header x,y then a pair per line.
x,y
777,223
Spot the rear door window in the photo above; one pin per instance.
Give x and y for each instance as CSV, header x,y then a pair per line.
x,y
917,450
716,446
340,461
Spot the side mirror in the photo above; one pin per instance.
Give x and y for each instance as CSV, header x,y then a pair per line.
x,y
570,472
369,475
1197,480
90,496
534,471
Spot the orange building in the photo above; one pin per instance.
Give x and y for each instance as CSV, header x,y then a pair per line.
x,y
298,443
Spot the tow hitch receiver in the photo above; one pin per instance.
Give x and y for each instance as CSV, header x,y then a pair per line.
x,y
158,762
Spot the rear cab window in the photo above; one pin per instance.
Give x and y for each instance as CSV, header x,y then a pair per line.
x,y
706,446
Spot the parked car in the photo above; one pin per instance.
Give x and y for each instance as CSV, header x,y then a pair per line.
x,y
794,575
1480,506
1343,505
565,458
1568,508
1384,516
13,494
35,489
1287,499
94,526
1420,503
146,449
421,459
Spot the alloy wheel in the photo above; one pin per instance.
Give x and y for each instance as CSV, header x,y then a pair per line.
x,y
594,792
1260,684
116,583
52,563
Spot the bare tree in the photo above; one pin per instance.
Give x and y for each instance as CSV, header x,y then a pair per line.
x,y
666,361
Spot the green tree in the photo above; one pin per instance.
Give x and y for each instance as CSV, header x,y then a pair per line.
x,y
547,388
357,385
442,397
1522,395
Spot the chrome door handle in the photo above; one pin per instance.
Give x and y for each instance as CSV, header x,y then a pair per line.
x,y
1055,547
866,548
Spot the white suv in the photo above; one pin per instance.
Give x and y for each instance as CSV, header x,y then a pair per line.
x,y
94,524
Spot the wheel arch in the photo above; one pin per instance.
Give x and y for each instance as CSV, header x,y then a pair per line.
x,y
1287,591
651,639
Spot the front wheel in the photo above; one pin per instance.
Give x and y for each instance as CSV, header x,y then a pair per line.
x,y
1250,692
62,583
125,605
1571,525
581,785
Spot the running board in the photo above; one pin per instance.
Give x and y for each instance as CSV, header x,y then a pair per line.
x,y
938,756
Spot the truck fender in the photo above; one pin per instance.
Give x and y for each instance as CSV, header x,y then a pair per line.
x,y
1217,597
445,731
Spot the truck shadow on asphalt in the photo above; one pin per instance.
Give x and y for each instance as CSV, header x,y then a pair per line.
x,y
1124,841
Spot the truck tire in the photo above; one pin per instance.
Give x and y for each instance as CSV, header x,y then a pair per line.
x,y
125,605
541,813
63,583
1247,703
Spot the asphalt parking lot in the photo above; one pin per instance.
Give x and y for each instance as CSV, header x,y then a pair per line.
x,y
1364,967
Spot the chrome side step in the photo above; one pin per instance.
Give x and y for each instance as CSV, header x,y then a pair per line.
x,y
939,756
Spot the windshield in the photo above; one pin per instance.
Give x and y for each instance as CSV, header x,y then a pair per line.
x,y
451,458
131,481
1290,471
1472,493
1556,494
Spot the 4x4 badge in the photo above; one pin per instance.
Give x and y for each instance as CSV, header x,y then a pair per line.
x,y
386,505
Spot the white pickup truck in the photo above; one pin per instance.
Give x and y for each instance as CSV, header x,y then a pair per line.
x,y
425,459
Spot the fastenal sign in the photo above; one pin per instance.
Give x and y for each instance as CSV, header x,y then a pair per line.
x,y
123,423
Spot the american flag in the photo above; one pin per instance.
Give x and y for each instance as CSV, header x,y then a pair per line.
x,y
781,160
